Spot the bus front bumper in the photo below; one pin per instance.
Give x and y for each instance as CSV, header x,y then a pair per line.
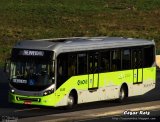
x,y
32,100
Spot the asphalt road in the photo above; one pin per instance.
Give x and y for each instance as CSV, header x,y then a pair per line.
x,y
22,112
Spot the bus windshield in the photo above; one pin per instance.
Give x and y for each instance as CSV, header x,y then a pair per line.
x,y
35,74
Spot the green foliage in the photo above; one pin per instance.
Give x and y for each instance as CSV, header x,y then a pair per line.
x,y
33,19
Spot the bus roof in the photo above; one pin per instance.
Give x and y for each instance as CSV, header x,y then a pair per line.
x,y
81,43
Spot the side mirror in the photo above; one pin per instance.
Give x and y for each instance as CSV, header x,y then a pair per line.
x,y
7,65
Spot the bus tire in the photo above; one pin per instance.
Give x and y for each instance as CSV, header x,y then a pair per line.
x,y
122,94
71,102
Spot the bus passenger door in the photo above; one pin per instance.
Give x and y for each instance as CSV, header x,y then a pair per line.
x,y
93,75
137,66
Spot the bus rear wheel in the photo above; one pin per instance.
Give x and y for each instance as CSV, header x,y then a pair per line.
x,y
122,94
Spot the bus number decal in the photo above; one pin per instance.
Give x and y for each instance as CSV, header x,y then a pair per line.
x,y
62,89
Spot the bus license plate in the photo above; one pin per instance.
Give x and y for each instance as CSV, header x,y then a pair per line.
x,y
27,102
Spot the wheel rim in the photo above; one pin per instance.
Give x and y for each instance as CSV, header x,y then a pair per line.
x,y
122,94
70,101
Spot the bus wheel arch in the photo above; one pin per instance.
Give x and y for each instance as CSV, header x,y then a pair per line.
x,y
123,92
72,99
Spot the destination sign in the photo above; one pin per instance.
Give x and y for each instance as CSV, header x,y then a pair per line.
x,y
19,81
27,54
32,53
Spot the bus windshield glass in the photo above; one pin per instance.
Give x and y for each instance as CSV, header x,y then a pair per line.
x,y
31,70
37,75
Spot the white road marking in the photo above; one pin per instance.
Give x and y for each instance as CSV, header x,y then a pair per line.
x,y
27,109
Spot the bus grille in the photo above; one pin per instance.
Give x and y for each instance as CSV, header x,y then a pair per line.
x,y
28,99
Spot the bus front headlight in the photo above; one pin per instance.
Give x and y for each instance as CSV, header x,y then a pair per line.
x,y
47,92
12,91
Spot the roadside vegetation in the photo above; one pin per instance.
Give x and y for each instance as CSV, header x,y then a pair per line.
x,y
36,19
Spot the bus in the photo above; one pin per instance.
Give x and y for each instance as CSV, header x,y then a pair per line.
x,y
70,71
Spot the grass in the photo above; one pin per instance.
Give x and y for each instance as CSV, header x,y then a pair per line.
x,y
35,19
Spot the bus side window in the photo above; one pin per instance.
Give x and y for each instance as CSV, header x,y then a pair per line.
x,y
82,64
62,66
115,60
105,61
149,56
72,64
137,58
126,59
134,59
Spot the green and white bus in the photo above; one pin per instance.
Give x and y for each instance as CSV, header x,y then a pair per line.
x,y
70,71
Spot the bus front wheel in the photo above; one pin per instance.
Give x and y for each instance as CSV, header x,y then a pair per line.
x,y
71,101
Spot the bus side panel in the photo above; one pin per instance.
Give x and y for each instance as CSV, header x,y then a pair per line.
x,y
148,83
115,80
75,82
149,77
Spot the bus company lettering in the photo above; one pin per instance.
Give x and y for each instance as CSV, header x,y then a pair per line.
x,y
80,82
33,53
127,112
